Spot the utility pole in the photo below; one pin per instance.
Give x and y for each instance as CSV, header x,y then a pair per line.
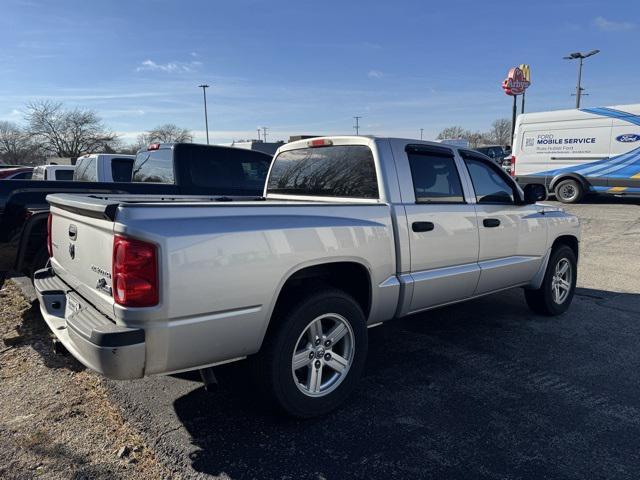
x,y
264,130
579,56
258,133
357,125
421,132
206,119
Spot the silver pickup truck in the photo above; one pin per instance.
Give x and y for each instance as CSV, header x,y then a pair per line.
x,y
352,231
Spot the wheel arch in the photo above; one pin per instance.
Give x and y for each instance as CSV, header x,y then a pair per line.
x,y
33,238
570,241
351,276
569,175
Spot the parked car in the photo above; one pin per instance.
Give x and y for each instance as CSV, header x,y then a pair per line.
x,y
172,169
497,153
16,173
53,172
104,167
580,152
353,231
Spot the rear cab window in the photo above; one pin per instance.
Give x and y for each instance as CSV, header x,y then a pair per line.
x,y
154,166
224,169
86,170
330,171
64,174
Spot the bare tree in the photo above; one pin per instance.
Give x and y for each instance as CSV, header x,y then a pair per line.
x,y
17,147
452,132
166,133
66,133
475,138
500,132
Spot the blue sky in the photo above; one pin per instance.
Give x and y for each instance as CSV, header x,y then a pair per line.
x,y
308,67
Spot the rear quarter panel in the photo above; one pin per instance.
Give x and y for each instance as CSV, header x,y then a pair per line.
x,y
222,268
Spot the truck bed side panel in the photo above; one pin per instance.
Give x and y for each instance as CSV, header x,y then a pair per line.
x,y
223,267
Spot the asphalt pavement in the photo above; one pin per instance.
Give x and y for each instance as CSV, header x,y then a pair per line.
x,y
483,389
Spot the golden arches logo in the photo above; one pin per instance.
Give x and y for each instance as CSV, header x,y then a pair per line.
x,y
526,72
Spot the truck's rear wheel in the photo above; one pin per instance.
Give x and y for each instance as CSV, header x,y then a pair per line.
x,y
556,292
569,191
313,359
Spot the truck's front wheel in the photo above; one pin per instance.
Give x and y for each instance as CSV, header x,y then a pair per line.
x,y
314,357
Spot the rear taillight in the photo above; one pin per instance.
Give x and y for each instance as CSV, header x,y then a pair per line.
x,y
513,165
135,272
49,246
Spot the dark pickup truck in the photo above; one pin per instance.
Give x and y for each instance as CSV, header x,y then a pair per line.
x,y
163,169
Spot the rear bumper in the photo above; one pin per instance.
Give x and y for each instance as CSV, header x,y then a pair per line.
x,y
94,340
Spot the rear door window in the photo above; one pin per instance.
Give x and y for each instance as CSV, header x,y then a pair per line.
x,y
155,166
435,175
334,171
121,169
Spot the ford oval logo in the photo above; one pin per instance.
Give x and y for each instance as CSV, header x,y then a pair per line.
x,y
628,137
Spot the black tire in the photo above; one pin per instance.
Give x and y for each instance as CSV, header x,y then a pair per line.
x,y
273,365
542,300
569,191
39,261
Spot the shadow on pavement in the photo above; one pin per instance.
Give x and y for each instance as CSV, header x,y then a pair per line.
x,y
478,390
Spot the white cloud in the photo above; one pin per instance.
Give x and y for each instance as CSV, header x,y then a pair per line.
x,y
612,26
375,74
171,67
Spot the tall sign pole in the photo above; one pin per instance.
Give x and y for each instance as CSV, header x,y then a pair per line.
x,y
517,81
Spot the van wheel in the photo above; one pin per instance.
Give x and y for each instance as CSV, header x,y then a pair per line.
x,y
313,360
569,191
558,287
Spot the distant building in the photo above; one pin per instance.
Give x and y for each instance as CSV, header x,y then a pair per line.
x,y
258,145
61,161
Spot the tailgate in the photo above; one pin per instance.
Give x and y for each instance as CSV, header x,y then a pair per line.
x,y
82,245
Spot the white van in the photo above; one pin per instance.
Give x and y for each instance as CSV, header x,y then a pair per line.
x,y
104,167
577,152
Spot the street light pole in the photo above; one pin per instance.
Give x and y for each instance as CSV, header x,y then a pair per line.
x,y
579,56
578,87
206,119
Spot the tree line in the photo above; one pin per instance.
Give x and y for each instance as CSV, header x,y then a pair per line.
x,y
52,130
498,134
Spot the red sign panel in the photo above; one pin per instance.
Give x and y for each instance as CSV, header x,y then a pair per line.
x,y
516,82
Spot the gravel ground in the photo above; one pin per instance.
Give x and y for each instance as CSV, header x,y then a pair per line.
x,y
55,419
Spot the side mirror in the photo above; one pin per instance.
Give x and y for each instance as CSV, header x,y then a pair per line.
x,y
534,192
